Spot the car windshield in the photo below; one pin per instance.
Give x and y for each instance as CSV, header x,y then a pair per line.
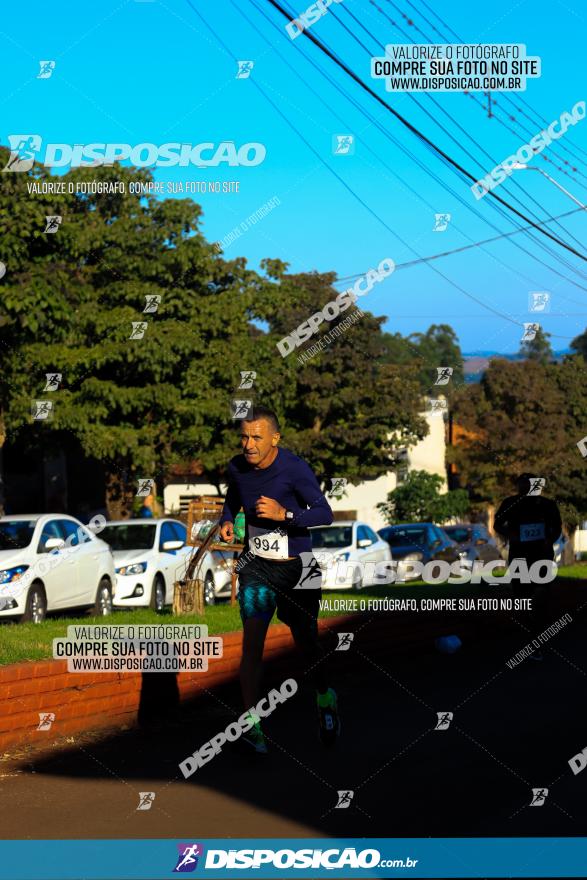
x,y
460,535
16,534
401,537
332,536
129,537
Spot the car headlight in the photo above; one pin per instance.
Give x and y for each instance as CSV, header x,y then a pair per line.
x,y
12,574
135,568
412,557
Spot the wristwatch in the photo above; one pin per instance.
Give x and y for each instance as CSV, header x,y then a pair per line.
x,y
289,515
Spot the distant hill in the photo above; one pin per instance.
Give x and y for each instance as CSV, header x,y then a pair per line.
x,y
475,363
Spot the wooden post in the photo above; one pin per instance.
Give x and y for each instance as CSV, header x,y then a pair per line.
x,y
189,593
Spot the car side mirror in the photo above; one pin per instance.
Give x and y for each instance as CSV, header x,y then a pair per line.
x,y
364,542
168,546
54,543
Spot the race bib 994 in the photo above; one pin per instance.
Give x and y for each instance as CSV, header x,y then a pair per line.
x,y
268,544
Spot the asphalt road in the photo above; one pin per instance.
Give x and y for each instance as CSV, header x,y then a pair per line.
x,y
512,730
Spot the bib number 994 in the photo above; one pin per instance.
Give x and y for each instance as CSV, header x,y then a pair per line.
x,y
270,544
264,544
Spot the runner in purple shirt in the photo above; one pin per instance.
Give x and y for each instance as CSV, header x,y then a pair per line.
x,y
281,498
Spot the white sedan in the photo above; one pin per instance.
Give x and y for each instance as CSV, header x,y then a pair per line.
x,y
348,553
150,555
50,562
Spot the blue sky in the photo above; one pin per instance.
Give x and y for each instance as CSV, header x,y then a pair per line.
x,y
152,72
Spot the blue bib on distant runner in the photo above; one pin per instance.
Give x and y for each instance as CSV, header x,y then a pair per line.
x,y
532,532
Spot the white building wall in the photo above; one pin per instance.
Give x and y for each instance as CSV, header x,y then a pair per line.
x,y
427,455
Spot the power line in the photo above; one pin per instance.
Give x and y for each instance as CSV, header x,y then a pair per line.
x,y
466,247
427,170
407,152
541,119
347,187
439,106
420,134
514,180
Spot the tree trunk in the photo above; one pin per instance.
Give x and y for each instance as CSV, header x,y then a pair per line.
x,y
2,488
568,556
119,496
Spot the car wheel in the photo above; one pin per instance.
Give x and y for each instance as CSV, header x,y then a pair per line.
x,y
103,604
157,602
209,593
36,605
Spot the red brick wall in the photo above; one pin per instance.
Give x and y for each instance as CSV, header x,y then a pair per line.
x,y
87,701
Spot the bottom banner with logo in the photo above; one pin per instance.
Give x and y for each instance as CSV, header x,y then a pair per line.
x,y
293,857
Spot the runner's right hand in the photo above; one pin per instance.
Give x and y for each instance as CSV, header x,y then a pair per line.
x,y
227,532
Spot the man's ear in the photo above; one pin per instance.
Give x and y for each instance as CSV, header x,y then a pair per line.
x,y
275,439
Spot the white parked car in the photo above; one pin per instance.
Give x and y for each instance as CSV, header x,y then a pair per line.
x,y
341,544
50,562
150,555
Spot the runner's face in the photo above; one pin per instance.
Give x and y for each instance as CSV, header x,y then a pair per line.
x,y
258,441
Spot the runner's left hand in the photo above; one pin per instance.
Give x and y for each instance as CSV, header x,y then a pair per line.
x,y
268,508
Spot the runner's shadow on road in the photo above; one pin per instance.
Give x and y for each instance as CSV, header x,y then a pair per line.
x,y
512,729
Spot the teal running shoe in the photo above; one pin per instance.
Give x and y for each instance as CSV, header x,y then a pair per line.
x,y
328,717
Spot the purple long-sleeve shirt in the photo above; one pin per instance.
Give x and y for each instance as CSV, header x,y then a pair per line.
x,y
292,483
